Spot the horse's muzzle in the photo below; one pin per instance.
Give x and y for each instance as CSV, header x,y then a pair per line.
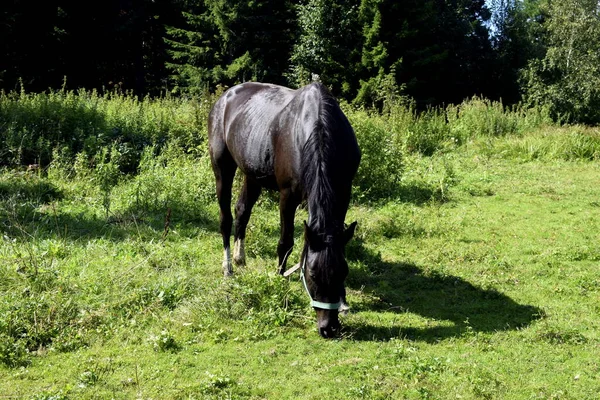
x,y
328,324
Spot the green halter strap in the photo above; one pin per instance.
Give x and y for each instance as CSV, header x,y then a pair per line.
x,y
314,303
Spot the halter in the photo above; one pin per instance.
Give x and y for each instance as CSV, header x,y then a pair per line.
x,y
314,303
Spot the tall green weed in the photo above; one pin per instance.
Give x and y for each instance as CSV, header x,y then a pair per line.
x,y
34,125
482,117
559,143
171,180
381,163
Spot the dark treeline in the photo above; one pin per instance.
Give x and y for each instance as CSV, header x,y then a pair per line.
x,y
432,51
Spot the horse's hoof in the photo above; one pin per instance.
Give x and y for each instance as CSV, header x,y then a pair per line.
x,y
227,270
240,262
239,254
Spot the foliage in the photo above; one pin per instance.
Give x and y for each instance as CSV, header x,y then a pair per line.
x,y
36,125
326,46
431,53
568,144
101,44
517,39
381,164
482,117
567,78
227,42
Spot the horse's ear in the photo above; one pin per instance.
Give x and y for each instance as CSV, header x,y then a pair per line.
x,y
315,242
349,232
309,235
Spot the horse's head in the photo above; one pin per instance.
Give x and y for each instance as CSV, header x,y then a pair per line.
x,y
324,269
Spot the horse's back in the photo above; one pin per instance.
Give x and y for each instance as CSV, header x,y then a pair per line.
x,y
265,127
246,106
240,123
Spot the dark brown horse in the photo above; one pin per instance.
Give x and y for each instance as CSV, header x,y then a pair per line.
x,y
300,143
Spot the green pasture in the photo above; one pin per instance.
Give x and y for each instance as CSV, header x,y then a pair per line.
x,y
473,273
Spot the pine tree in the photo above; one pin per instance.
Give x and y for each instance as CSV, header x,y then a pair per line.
x,y
29,40
227,41
437,51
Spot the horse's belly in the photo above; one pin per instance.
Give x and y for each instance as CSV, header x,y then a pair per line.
x,y
256,162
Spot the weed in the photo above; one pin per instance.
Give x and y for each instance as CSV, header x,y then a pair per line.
x,y
95,373
164,342
50,395
216,383
13,352
381,163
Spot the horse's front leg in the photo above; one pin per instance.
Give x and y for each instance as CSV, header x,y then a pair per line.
x,y
288,202
250,192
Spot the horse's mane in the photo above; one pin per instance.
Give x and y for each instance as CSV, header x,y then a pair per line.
x,y
319,166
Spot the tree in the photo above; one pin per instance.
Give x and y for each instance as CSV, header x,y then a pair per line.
x,y
228,41
567,78
93,44
437,50
29,39
517,38
328,45
378,86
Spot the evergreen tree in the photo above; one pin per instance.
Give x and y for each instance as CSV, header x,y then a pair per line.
x,y
29,40
115,43
379,85
93,44
226,41
437,50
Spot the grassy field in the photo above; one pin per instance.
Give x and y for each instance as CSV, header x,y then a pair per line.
x,y
474,276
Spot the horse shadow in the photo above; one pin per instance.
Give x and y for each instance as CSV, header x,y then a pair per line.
x,y
407,288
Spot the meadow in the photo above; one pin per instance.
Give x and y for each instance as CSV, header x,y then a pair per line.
x,y
473,272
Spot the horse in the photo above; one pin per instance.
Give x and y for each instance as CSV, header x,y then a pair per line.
x,y
300,143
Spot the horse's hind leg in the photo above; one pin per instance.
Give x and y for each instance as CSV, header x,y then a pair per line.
x,y
248,196
224,168
288,202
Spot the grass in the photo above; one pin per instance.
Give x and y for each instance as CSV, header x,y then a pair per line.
x,y
473,273
488,290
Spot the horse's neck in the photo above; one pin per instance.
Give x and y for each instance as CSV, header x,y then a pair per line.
x,y
322,215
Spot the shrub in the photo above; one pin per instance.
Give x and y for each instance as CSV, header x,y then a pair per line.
x,y
381,164
428,132
482,117
33,125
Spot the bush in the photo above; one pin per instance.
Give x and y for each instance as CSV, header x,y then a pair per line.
x,y
428,132
482,117
381,164
33,125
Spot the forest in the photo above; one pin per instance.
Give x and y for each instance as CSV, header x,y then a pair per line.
x,y
432,53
